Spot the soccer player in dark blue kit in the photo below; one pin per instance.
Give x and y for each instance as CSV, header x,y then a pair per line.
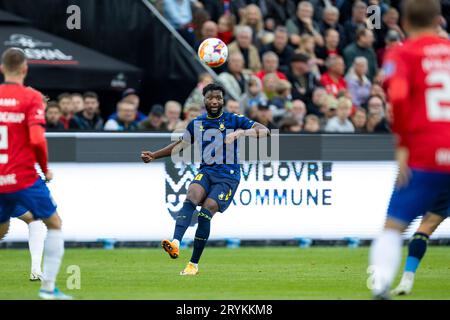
x,y
218,178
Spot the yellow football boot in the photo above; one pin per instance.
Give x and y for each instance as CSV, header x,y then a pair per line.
x,y
190,270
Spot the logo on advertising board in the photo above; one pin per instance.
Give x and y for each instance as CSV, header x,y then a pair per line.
x,y
39,52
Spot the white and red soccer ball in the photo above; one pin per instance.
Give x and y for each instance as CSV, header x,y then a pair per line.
x,y
213,52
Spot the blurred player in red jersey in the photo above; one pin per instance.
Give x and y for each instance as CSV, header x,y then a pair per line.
x,y
22,144
417,78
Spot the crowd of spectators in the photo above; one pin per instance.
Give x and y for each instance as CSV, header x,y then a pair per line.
x,y
298,66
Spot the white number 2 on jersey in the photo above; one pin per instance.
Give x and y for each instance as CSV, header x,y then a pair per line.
x,y
3,144
435,97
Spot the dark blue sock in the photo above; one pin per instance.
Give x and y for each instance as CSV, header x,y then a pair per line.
x,y
184,219
416,251
202,234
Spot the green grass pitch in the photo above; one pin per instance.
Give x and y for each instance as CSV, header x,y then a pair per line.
x,y
246,273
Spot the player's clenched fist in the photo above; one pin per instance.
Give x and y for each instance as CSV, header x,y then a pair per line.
x,y
147,156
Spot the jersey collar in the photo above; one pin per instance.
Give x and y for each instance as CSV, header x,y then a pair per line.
x,y
215,117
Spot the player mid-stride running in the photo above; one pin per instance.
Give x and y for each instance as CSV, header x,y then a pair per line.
x,y
22,144
215,184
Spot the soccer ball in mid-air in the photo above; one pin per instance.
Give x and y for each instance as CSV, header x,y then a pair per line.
x,y
213,52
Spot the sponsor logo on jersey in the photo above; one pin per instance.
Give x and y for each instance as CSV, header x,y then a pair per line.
x,y
7,102
12,117
8,180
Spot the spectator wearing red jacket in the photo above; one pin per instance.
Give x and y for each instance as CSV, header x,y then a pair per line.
x,y
333,79
270,65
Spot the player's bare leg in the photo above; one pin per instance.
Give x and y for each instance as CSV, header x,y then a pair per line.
x,y
209,208
385,258
416,251
196,194
53,254
36,238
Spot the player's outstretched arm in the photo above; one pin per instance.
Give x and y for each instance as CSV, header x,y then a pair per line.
x,y
257,131
39,144
148,156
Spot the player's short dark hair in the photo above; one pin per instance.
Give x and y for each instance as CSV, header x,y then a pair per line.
x,y
421,13
13,59
53,105
64,95
90,94
213,87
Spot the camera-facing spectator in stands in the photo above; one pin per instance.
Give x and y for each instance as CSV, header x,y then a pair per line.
x,y
282,99
297,110
333,80
377,106
312,124
359,120
280,10
280,46
191,111
232,106
303,23
341,123
331,47
226,25
179,15
77,102
377,90
308,47
155,120
126,117
66,106
264,116
290,125
209,29
253,96
172,112
243,45
270,65
270,82
88,119
358,21
362,47
53,116
253,18
235,79
358,84
316,105
302,79
330,20
196,96
131,95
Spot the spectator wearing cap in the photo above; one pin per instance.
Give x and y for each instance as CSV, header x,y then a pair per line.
x,y
89,118
312,124
389,23
172,113
303,23
270,65
330,20
235,79
331,47
392,38
358,21
358,84
126,117
341,123
131,96
243,45
280,46
362,47
53,116
155,120
333,80
280,10
264,116
302,79
191,111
